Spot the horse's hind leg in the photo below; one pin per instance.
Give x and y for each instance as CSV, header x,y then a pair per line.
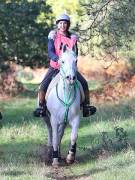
x,y
74,134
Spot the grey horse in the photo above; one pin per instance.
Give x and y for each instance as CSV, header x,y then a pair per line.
x,y
63,104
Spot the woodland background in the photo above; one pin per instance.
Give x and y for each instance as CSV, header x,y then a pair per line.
x,y
106,141
106,32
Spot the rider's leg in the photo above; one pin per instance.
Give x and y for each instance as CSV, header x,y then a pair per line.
x,y
0,115
41,109
87,109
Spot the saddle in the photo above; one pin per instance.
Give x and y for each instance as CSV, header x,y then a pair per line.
x,y
55,81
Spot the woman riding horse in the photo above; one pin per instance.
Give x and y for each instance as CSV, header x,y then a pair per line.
x,y
56,40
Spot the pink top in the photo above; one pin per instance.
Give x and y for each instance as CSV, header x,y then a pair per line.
x,y
70,42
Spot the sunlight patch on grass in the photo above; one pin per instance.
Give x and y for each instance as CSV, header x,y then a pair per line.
x,y
30,171
118,166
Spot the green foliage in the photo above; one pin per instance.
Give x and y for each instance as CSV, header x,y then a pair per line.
x,y
108,25
63,6
24,26
120,24
115,144
22,38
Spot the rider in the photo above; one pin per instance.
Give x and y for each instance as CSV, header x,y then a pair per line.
x,y
56,40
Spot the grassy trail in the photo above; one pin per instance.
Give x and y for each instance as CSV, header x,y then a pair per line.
x,y
106,144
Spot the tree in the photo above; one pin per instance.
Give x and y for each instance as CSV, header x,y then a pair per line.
x,y
70,7
23,38
108,24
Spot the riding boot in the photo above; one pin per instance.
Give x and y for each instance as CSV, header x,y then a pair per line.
x,y
87,109
40,111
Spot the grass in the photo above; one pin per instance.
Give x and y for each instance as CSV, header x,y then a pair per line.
x,y
94,85
23,139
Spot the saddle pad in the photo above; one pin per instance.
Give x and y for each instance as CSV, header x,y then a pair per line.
x,y
55,80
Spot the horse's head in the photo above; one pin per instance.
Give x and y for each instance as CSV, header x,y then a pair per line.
x,y
68,65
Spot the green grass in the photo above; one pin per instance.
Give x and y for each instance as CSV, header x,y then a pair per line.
x,y
94,85
23,139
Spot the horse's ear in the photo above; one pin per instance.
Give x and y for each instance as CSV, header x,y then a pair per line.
x,y
61,46
64,48
74,49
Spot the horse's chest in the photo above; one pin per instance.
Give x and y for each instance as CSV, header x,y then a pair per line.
x,y
59,109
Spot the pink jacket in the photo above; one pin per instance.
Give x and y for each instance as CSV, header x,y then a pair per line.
x,y
59,38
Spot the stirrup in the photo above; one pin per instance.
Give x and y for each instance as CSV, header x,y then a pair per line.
x,y
88,110
40,112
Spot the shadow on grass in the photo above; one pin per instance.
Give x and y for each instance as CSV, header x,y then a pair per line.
x,y
13,173
18,117
15,157
19,151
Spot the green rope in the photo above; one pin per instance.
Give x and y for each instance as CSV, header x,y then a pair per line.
x,y
67,96
66,102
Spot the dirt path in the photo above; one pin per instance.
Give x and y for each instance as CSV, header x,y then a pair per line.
x,y
63,172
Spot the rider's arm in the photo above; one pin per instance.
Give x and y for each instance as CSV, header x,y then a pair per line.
x,y
51,50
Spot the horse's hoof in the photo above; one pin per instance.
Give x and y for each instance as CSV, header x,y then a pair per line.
x,y
70,157
55,163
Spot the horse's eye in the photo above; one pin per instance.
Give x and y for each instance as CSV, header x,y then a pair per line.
x,y
62,62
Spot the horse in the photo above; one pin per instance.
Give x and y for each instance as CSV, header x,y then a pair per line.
x,y
63,103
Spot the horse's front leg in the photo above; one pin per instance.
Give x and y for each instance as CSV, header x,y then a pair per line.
x,y
55,141
49,128
50,147
74,134
60,135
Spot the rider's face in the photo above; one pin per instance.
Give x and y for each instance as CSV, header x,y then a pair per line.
x,y
62,26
